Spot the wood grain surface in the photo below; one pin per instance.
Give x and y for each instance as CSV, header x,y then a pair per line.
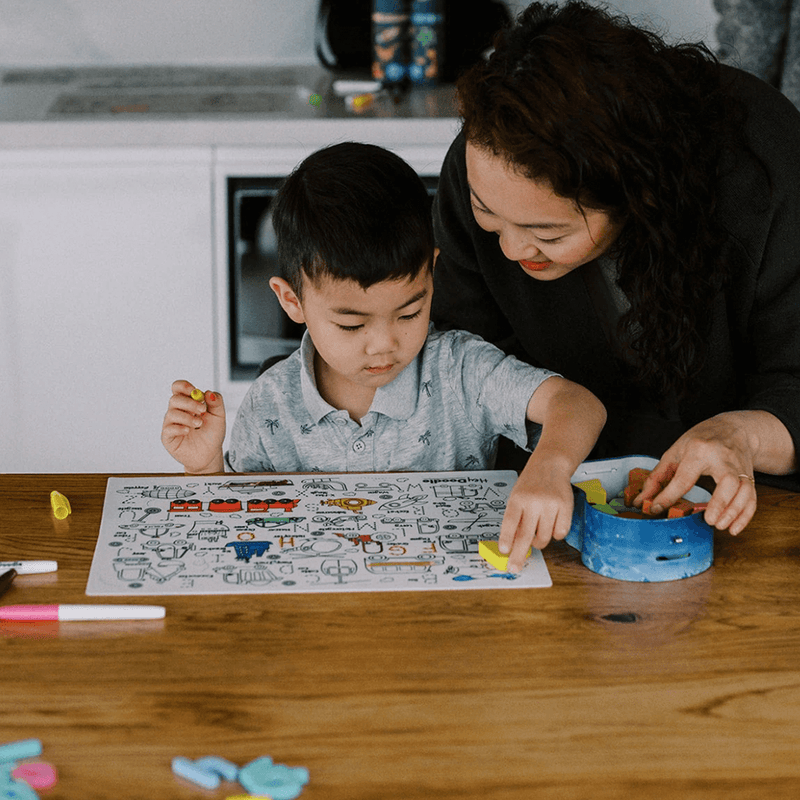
x,y
594,688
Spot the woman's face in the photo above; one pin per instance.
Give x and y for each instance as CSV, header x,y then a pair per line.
x,y
547,235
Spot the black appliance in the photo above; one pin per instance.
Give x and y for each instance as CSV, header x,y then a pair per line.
x,y
343,39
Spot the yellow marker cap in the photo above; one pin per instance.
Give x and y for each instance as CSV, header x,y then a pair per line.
x,y
60,504
198,395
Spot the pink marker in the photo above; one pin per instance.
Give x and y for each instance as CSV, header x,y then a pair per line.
x,y
72,613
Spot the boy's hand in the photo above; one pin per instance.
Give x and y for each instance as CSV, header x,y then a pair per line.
x,y
539,509
540,505
194,430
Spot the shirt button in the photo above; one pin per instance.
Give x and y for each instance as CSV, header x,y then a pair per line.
x,y
341,421
359,446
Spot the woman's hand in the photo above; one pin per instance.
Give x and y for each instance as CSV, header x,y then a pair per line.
x,y
727,448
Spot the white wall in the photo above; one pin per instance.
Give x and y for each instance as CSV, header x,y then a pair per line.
x,y
225,32
684,20
189,32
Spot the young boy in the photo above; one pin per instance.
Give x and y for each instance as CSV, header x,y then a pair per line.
x,y
373,387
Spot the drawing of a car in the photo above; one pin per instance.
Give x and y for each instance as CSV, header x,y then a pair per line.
x,y
460,542
386,565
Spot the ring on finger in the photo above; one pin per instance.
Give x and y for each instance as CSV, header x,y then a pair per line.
x,y
747,477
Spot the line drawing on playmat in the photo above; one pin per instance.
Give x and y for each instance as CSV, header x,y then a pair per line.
x,y
295,534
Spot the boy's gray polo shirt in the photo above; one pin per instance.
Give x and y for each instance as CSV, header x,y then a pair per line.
x,y
444,411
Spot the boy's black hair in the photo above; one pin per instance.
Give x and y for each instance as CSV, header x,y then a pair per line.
x,y
353,211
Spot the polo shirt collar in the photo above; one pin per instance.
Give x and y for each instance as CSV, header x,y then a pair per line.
x,y
397,399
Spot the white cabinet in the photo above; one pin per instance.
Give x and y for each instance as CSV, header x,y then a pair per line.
x,y
106,297
114,278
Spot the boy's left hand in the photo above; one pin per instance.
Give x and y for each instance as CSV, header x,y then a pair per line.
x,y
539,509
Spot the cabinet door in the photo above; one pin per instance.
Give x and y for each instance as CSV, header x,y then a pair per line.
x,y
105,299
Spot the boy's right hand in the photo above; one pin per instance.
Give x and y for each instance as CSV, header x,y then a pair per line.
x,y
194,430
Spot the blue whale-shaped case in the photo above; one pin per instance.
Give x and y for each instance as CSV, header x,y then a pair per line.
x,y
644,550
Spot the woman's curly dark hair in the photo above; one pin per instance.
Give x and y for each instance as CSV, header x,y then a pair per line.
x,y
616,119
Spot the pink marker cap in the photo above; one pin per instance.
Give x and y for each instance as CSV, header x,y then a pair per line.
x,y
29,613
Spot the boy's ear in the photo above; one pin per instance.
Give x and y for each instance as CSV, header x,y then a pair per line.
x,y
289,301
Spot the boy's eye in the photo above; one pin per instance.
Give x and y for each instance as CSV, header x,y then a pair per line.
x,y
353,328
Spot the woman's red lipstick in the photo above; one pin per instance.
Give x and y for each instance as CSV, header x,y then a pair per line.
x,y
535,266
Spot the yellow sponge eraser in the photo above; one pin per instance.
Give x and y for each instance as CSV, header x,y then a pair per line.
x,y
595,493
489,551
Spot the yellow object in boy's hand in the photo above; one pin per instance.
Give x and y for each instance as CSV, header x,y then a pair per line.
x,y
197,395
490,552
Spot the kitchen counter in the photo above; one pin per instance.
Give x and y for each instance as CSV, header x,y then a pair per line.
x,y
202,106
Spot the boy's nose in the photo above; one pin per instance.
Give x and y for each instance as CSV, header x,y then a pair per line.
x,y
382,340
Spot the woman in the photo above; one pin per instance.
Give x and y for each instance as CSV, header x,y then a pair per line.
x,y
627,213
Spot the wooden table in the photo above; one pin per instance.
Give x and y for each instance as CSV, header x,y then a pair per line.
x,y
593,688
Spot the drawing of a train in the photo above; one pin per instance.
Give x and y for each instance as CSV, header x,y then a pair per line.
x,y
233,504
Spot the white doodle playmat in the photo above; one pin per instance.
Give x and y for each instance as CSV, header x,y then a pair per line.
x,y
255,534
